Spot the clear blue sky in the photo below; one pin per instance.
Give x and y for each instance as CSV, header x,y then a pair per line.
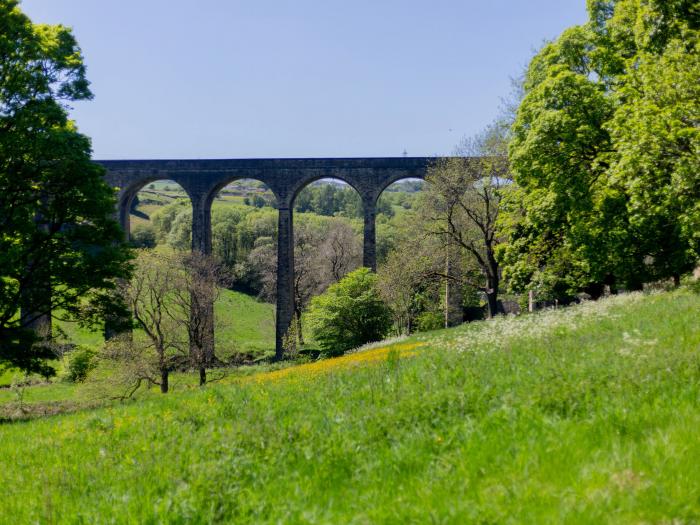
x,y
298,78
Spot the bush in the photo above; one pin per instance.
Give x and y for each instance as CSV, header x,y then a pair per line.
x,y
430,321
349,314
143,236
82,361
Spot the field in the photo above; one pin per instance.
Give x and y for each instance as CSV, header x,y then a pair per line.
x,y
580,415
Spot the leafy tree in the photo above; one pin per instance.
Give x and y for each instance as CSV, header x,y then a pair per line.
x,y
349,314
656,163
225,240
60,248
82,360
604,151
164,218
258,201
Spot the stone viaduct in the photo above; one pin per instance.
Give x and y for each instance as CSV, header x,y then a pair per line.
x,y
203,179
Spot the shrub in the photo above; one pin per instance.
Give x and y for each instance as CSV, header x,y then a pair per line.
x,y
430,320
82,361
143,236
349,314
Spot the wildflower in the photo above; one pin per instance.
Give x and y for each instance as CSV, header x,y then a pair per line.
x,y
357,358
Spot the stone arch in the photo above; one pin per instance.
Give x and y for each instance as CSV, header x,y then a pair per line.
x,y
382,207
126,197
381,188
211,194
204,200
305,182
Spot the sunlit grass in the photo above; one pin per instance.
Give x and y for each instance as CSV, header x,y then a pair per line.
x,y
583,415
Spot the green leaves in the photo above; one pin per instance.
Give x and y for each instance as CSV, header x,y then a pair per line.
x,y
349,314
605,152
59,244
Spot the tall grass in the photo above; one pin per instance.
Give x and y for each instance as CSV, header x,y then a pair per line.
x,y
583,415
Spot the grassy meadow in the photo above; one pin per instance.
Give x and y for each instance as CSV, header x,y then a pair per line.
x,y
245,327
581,415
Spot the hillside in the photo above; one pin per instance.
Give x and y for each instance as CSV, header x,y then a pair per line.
x,y
245,326
579,415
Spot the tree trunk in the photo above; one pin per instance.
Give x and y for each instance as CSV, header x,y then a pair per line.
x,y
164,381
492,299
676,280
492,294
595,290
612,284
492,283
202,376
454,312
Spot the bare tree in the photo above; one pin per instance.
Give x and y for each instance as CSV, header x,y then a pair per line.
x,y
171,298
197,287
341,251
149,296
262,262
464,194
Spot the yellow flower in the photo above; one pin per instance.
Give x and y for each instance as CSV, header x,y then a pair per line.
x,y
324,366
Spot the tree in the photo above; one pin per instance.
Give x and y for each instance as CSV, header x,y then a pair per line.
x,y
197,287
150,295
60,248
463,203
260,269
656,163
349,314
405,275
171,297
340,250
224,230
604,151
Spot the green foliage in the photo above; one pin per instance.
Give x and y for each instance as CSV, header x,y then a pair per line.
x,y
430,320
492,422
329,199
332,199
657,159
349,314
605,150
81,361
143,236
60,247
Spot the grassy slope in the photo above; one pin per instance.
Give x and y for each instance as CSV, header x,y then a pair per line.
x,y
583,415
244,325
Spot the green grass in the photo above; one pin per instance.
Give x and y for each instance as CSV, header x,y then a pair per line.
x,y
244,325
581,415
